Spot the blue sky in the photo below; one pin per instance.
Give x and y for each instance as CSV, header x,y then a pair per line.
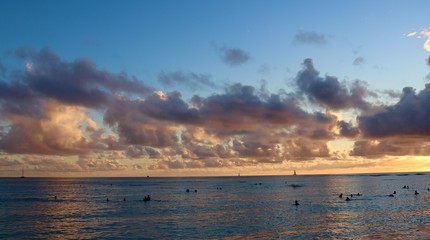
x,y
146,37
205,47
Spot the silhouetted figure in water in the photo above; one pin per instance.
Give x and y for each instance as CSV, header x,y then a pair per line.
x,y
107,199
407,186
358,194
404,187
416,193
123,200
147,198
394,192
341,195
188,190
391,195
347,199
428,189
296,203
352,195
55,197
195,190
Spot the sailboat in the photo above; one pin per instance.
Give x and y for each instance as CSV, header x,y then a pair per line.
x,y
294,174
22,175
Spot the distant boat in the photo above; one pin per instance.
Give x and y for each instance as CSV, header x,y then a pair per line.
x,y
294,174
22,175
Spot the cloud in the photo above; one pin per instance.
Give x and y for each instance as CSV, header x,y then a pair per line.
x,y
309,38
137,151
347,130
99,163
424,33
428,61
77,83
241,126
42,122
6,161
57,132
46,106
48,164
411,34
427,45
329,91
409,116
359,61
403,146
234,56
239,123
191,80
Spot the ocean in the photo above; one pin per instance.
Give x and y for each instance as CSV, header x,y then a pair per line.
x,y
257,207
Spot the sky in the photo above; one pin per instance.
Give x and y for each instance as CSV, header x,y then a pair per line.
x,y
213,88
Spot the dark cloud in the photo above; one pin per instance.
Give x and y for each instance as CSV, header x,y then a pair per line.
x,y
428,61
191,80
409,116
17,99
241,110
234,56
359,61
391,147
347,130
152,122
329,91
309,38
303,149
77,83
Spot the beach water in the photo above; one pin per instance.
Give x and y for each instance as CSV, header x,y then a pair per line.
x,y
222,207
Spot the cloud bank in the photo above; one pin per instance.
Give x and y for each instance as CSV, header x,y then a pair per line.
x,y
50,110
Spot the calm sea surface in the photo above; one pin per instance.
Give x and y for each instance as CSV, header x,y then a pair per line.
x,y
245,207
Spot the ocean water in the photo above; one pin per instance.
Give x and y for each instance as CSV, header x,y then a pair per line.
x,y
245,207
